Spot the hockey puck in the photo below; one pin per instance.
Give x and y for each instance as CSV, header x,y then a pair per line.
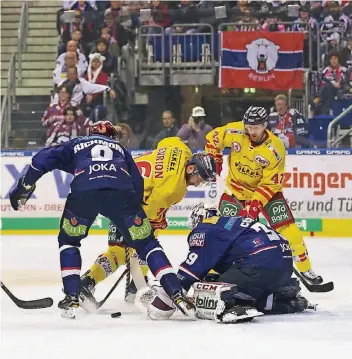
x,y
116,315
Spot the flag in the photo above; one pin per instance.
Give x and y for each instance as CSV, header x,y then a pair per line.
x,y
263,60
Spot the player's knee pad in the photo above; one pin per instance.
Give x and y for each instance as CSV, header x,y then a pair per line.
x,y
73,229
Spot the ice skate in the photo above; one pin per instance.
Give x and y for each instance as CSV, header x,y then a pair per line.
x,y
311,277
68,306
86,296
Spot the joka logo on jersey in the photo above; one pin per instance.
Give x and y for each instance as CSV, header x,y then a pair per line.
x,y
246,170
102,167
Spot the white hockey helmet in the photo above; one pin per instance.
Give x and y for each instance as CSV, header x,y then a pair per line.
x,y
200,212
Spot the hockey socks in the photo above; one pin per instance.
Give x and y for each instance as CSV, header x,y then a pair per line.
x,y
71,263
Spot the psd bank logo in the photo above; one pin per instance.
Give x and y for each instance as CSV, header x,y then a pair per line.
x,y
262,55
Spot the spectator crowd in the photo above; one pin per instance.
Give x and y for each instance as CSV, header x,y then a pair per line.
x,y
94,35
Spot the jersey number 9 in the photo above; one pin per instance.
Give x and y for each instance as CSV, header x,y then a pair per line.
x,y
192,257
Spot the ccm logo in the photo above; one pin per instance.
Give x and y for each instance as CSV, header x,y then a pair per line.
x,y
261,160
211,287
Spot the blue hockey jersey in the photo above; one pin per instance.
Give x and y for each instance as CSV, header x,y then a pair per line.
x,y
95,161
220,242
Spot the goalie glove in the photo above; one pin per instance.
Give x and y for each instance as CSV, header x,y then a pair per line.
x,y
20,194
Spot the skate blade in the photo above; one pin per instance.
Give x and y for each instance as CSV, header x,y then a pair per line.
x,y
89,304
130,298
233,318
68,313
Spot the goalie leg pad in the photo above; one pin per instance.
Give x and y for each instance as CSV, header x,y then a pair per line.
x,y
155,302
286,300
223,303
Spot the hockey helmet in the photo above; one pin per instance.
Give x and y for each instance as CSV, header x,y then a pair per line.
x,y
200,212
204,165
104,128
255,116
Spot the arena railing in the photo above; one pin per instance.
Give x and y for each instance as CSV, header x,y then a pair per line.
x,y
9,99
332,141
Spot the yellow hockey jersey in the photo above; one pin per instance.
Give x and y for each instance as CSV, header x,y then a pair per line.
x,y
255,171
164,176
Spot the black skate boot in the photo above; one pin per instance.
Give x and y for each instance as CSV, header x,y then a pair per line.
x,y
86,296
184,305
68,306
311,277
300,304
131,291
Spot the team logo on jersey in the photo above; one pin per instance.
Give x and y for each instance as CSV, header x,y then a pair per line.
x,y
262,161
138,221
74,221
197,240
236,147
257,242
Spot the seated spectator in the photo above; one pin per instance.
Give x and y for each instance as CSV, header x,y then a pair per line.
x,y
160,15
272,24
60,72
55,111
95,75
169,130
79,87
84,5
110,62
113,47
346,53
85,22
67,129
72,47
347,84
193,133
119,33
76,35
288,124
331,85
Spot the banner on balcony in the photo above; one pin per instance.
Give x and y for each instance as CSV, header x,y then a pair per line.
x,y
262,60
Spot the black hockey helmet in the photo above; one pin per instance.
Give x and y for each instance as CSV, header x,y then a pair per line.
x,y
205,166
255,116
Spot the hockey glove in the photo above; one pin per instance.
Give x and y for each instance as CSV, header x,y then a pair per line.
x,y
20,194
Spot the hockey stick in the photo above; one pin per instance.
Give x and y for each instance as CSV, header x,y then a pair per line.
x,y
128,268
101,303
315,288
28,304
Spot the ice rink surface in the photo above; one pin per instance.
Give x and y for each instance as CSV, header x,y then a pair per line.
x,y
30,268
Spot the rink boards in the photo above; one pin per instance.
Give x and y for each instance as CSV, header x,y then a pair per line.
x,y
317,185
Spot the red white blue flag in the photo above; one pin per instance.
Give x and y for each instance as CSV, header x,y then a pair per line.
x,y
263,60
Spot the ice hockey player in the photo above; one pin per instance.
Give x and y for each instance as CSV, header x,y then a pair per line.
x,y
107,182
256,172
167,171
254,264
